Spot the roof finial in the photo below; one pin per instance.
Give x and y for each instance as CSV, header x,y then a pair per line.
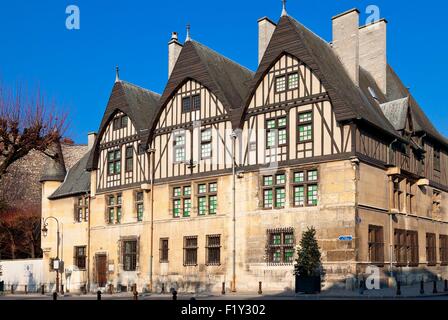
x,y
188,33
284,13
117,74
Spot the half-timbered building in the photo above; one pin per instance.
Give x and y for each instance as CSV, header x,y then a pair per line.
x,y
214,180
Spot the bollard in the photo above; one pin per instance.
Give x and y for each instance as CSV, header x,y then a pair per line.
x,y
260,291
62,289
12,289
223,290
26,289
98,295
111,288
446,286
135,295
55,296
398,288
42,289
361,287
163,288
422,287
434,290
174,295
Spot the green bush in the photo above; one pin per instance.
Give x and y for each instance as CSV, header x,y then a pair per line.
x,y
308,262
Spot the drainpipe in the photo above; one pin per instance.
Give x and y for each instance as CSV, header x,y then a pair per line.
x,y
391,229
88,244
152,153
234,137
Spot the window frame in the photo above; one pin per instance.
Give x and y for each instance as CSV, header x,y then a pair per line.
x,y
306,184
116,206
443,249
305,124
282,247
376,245
205,143
210,247
277,130
116,160
84,207
190,248
287,86
77,258
183,197
177,146
431,249
274,190
207,195
133,255
139,202
128,157
192,107
164,251
119,123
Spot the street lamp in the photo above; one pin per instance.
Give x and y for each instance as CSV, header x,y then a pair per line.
x,y
45,233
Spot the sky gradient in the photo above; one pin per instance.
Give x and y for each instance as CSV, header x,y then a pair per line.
x,y
76,68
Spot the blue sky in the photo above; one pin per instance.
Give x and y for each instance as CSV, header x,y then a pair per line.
x,y
76,67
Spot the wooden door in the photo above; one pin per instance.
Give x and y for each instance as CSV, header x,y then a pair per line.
x,y
101,269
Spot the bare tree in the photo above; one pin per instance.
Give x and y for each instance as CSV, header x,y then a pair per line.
x,y
27,122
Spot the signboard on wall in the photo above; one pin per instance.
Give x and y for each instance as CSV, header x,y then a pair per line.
x,y
345,238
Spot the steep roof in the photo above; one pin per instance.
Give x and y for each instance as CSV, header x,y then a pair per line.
x,y
138,103
397,90
76,182
225,78
54,167
349,101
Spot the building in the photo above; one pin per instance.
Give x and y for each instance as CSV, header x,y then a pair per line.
x,y
215,180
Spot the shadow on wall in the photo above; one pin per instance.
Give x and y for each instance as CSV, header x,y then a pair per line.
x,y
183,286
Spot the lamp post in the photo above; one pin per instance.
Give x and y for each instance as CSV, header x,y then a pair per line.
x,y
45,233
233,136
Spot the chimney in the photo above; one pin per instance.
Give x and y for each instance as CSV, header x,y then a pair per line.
x,y
346,41
372,52
265,30
174,49
91,137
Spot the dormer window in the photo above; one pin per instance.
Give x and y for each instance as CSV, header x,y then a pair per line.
x,y
114,162
191,103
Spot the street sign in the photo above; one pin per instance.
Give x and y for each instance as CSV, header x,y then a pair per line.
x,y
345,238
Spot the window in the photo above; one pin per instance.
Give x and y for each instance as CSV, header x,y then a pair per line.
x,y
130,255
113,209
437,159
431,249
400,247
190,251
276,132
186,104
305,188
206,144
293,81
80,257
436,201
196,102
181,199
305,128
82,209
376,245
179,147
274,194
114,162
443,244
213,249
412,248
287,82
207,198
280,246
280,84
164,250
398,193
139,205
409,197
191,103
120,122
129,159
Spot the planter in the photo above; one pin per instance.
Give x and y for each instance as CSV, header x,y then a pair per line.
x,y
308,284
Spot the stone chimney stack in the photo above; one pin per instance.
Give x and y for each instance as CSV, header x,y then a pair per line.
x,y
346,41
91,137
373,53
174,49
265,31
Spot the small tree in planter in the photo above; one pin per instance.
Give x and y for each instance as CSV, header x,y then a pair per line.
x,y
308,266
